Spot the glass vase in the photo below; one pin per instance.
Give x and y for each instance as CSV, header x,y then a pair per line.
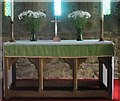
x,y
79,37
79,34
33,38
33,35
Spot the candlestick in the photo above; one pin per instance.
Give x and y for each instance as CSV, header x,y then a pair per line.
x,y
102,10
12,10
12,22
55,26
12,33
102,22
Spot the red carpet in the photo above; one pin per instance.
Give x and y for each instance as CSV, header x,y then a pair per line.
x,y
115,98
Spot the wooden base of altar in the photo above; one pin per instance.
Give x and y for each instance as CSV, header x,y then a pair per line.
x,y
73,88
58,89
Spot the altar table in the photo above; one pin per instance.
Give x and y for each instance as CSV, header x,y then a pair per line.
x,y
42,49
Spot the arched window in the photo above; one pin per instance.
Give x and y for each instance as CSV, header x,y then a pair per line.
x,y
7,7
57,7
106,7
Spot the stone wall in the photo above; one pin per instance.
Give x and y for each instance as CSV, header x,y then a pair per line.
x,y
58,68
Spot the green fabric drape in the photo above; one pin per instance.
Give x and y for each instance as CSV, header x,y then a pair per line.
x,y
59,50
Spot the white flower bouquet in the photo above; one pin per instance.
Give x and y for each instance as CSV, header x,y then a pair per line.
x,y
30,13
31,20
80,14
79,19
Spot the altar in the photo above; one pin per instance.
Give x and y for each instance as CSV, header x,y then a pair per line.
x,y
42,49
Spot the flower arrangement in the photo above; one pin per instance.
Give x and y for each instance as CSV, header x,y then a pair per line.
x,y
31,20
79,20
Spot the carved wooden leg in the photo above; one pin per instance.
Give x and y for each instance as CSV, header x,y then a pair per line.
x,y
6,67
40,75
100,73
75,75
107,61
14,75
109,78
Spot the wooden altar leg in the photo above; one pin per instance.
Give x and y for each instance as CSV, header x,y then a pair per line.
x,y
6,67
109,78
40,75
75,75
107,61
14,75
100,73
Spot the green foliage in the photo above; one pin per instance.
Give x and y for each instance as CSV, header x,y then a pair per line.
x,y
31,20
31,24
79,23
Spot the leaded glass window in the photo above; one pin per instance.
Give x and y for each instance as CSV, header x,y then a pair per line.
x,y
7,7
106,7
57,7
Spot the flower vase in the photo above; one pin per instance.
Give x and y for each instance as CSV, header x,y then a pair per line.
x,y
79,34
33,36
79,37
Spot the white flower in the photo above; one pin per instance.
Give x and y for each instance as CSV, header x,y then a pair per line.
x,y
36,15
25,13
79,19
79,13
30,13
87,14
31,20
20,16
41,14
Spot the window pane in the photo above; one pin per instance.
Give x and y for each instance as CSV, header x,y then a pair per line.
x,y
106,7
57,7
7,8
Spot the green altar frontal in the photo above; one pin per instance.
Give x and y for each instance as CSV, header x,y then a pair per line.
x,y
40,50
65,48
